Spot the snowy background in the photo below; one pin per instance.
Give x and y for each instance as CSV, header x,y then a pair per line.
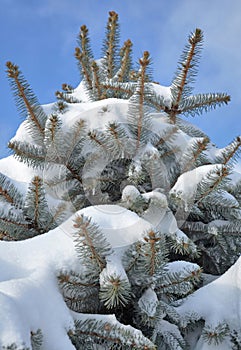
x,y
40,36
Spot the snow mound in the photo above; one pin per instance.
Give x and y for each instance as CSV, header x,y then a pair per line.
x,y
186,185
121,226
29,294
219,301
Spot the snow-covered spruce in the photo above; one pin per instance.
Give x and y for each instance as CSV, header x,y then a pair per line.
x,y
115,211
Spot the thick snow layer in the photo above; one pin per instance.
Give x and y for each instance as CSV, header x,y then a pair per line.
x,y
186,185
164,92
217,302
29,295
16,170
120,226
96,114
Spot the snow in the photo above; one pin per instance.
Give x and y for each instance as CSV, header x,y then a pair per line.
x,y
164,92
96,114
186,185
219,301
121,226
181,267
81,93
130,194
20,172
29,294
148,302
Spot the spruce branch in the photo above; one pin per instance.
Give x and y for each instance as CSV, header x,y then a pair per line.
x,y
57,216
168,136
125,90
117,141
215,335
81,63
14,226
31,155
64,153
132,257
25,98
66,94
84,56
193,153
179,284
91,244
144,62
210,183
53,127
36,182
56,152
109,333
5,236
6,195
74,280
97,139
36,339
145,260
96,81
10,221
188,128
185,73
157,101
74,140
67,88
125,64
152,240
81,292
84,43
197,104
184,246
229,154
73,172
111,44
115,291
36,208
10,192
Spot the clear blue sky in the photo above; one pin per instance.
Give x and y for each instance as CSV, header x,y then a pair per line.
x,y
40,36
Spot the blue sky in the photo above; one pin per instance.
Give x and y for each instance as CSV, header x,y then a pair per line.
x,y
40,36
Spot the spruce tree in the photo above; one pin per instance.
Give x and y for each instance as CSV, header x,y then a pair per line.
x,y
128,147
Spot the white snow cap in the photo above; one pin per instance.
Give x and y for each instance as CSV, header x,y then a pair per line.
x,y
130,193
186,185
218,302
121,226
